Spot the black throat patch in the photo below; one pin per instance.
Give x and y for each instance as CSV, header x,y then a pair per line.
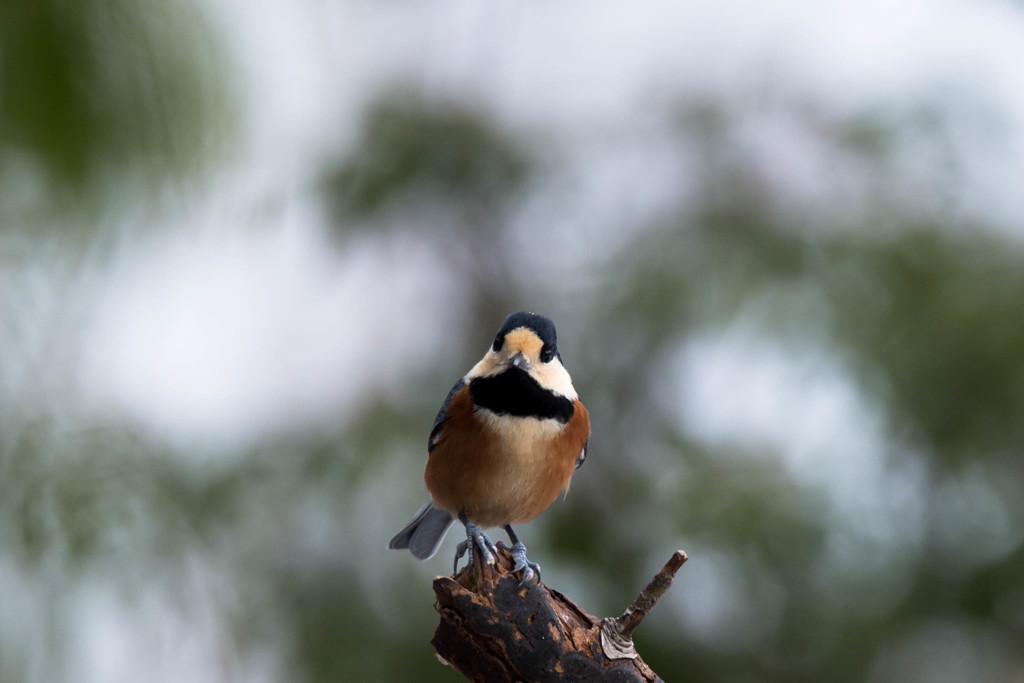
x,y
514,392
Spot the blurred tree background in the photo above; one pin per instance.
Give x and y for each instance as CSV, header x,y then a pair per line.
x,y
247,248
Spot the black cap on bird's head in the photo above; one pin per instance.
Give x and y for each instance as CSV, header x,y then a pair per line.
x,y
541,326
544,328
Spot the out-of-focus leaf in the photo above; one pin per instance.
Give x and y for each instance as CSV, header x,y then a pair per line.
x,y
412,153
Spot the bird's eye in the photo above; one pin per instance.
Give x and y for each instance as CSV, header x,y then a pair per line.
x,y
547,354
499,341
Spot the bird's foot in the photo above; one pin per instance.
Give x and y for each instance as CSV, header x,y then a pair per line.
x,y
531,570
474,536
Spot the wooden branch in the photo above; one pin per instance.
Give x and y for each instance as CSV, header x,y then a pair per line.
x,y
495,632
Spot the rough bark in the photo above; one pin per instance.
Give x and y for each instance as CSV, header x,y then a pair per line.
x,y
493,631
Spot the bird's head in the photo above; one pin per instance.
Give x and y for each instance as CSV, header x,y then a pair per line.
x,y
526,342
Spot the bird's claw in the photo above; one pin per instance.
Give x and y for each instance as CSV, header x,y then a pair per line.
x,y
531,570
474,536
460,550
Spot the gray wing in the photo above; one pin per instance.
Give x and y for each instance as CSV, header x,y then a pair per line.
x,y
442,416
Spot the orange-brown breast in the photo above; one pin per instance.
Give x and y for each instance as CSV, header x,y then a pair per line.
x,y
502,470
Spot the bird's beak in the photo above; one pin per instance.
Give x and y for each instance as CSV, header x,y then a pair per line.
x,y
519,361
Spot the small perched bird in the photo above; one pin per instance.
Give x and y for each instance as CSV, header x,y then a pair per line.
x,y
506,441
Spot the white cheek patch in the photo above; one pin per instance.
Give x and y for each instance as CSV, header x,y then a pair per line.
x,y
554,377
488,365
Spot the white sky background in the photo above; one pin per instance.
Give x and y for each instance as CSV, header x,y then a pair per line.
x,y
222,332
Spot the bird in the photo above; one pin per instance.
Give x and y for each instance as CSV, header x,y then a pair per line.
x,y
505,443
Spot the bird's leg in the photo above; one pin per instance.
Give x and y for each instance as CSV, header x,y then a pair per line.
x,y
474,536
531,570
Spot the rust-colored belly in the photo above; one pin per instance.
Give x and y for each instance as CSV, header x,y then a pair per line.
x,y
502,470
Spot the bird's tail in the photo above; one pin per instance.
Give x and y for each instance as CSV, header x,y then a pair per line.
x,y
423,535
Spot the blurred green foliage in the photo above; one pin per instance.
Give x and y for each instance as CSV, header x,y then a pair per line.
x,y
100,93
944,332
413,151
924,310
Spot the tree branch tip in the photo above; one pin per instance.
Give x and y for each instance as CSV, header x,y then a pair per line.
x,y
677,560
617,633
